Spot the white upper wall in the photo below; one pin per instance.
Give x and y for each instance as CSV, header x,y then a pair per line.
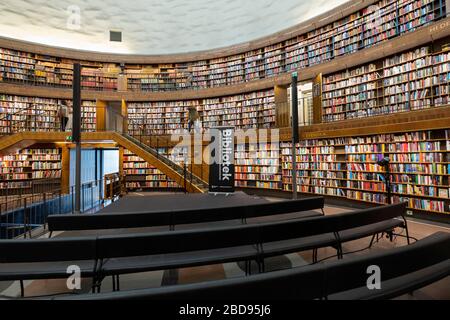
x,y
153,26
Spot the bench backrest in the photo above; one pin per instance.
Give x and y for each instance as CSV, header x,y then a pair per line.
x,y
279,231
185,241
167,218
48,250
309,282
175,242
394,263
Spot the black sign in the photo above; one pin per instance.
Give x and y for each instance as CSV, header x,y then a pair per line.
x,y
221,172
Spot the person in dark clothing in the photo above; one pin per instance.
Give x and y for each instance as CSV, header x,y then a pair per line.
x,y
193,117
63,114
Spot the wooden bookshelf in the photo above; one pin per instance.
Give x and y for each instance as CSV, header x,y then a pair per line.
x,y
19,171
377,22
347,168
414,80
254,110
140,175
20,113
89,116
258,166
320,164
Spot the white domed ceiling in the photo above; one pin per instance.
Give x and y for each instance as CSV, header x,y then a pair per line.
x,y
152,26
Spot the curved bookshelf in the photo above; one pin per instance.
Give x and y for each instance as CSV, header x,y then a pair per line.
x,y
366,26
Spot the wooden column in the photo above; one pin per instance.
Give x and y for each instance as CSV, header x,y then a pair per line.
x,y
282,107
121,155
447,5
317,99
65,170
125,116
122,83
101,115
201,170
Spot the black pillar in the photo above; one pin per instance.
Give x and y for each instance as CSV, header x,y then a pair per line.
x,y
76,134
295,135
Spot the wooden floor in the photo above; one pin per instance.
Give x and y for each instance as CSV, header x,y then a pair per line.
x,y
419,230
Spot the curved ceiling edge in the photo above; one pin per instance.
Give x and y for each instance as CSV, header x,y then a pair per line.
x,y
304,27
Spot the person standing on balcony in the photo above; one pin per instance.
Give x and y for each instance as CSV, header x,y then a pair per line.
x,y
63,114
193,118
69,125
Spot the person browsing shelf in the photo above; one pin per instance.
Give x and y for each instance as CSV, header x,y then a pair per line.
x,y
193,118
63,114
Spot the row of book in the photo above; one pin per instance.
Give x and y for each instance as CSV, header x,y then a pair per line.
x,y
242,111
413,80
29,165
345,36
325,167
141,175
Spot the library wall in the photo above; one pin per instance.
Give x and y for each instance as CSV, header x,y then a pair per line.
x,y
346,168
253,110
379,22
414,80
25,170
21,113
141,176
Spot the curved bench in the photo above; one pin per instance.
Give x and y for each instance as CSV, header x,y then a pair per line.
x,y
403,270
172,218
126,254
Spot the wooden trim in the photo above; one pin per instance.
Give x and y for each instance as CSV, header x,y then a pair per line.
x,y
124,112
121,157
430,119
282,106
331,16
65,170
317,99
101,115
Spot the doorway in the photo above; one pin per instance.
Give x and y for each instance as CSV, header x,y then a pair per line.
x,y
113,117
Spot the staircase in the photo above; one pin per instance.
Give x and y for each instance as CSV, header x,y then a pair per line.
x,y
191,182
174,171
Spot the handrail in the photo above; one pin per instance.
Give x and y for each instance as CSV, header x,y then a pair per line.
x,y
166,161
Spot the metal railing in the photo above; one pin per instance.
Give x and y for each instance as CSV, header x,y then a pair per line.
x,y
181,170
25,215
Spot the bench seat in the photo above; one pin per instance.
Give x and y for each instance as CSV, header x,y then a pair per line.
x,y
117,266
44,270
327,240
